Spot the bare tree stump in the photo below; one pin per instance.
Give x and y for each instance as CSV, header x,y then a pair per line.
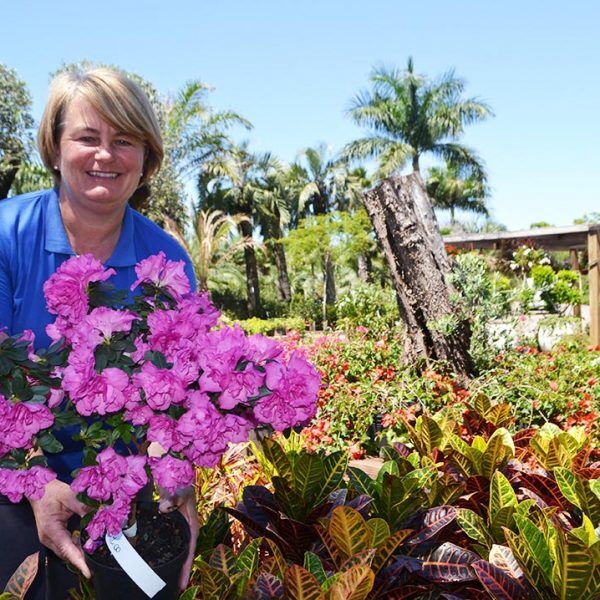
x,y
419,266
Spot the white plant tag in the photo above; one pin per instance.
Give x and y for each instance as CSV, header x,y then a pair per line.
x,y
134,565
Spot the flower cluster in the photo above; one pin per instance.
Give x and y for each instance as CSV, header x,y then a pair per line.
x,y
161,370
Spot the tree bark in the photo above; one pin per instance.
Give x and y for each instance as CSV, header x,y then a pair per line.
x,y
252,283
365,268
419,273
329,275
283,279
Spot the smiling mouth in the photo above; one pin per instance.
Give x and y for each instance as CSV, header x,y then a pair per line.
x,y
103,174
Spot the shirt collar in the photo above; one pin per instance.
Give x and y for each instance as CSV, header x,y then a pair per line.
x,y
57,241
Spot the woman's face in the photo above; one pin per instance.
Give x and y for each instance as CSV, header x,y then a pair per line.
x,y
100,167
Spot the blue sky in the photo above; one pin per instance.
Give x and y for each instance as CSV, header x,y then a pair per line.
x,y
293,67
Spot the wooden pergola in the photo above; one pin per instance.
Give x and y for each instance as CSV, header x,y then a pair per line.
x,y
572,238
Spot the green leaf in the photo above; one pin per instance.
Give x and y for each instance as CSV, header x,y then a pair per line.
x,y
308,472
535,543
333,470
586,532
48,443
349,531
290,501
379,529
312,563
573,567
474,526
595,487
431,434
499,447
503,519
277,457
247,561
190,593
214,583
501,494
361,482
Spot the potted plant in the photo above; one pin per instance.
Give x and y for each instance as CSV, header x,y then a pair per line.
x,y
159,371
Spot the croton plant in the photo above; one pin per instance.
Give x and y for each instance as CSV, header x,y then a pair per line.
x,y
456,512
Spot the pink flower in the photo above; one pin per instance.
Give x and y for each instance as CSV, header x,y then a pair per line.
x,y
163,273
113,476
172,473
103,393
20,421
227,367
30,483
106,321
294,394
163,429
66,289
162,387
110,518
207,432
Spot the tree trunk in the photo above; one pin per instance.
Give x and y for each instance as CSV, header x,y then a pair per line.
x,y
252,284
419,274
329,276
424,209
365,268
283,279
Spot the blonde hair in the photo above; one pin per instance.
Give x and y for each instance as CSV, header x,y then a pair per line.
x,y
117,99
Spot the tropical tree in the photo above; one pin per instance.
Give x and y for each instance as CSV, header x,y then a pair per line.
x,y
456,187
15,126
274,199
326,183
214,242
409,115
31,176
237,173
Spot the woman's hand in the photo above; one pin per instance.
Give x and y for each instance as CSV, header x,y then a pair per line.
x,y
185,501
51,513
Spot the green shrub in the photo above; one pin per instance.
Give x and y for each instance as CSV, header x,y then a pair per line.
x,y
272,326
483,297
367,305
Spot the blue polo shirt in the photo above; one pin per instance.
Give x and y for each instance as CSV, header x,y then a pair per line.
x,y
34,243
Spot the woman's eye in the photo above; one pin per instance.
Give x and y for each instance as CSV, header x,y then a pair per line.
x,y
87,139
123,142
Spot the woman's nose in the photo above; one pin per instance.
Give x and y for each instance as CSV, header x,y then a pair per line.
x,y
104,151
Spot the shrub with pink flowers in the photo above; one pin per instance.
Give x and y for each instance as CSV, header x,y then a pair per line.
x,y
159,368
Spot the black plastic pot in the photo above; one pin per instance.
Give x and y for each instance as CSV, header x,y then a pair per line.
x,y
112,583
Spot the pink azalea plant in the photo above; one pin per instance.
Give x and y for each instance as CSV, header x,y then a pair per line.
x,y
160,369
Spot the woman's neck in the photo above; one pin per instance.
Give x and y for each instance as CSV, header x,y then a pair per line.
x,y
90,233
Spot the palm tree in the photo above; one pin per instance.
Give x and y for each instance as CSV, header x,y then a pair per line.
x,y
273,199
325,184
410,115
213,242
456,188
237,173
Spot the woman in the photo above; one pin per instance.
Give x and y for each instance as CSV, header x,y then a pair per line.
x,y
100,139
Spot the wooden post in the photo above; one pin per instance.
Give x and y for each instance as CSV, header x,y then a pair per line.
x,y
594,280
575,267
